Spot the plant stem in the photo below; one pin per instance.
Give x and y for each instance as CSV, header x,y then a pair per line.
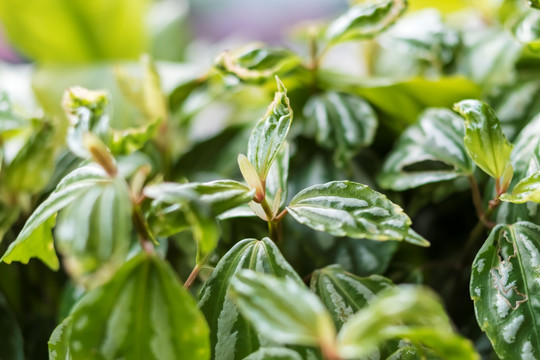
x,y
273,221
476,197
191,278
139,223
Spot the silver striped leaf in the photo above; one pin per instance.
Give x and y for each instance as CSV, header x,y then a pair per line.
x,y
505,287
343,293
344,123
432,150
346,208
35,239
231,336
143,313
94,232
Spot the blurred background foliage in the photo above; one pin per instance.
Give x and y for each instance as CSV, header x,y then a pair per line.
x,y
439,53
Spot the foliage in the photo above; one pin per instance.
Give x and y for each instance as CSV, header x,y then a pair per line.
x,y
275,204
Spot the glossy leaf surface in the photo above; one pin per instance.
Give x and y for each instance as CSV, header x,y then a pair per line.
x,y
363,21
395,313
345,208
430,151
505,287
282,310
93,232
219,195
342,122
269,134
484,140
142,313
232,336
343,293
35,239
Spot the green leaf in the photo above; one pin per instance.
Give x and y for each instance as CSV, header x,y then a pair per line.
x,y
484,140
205,230
409,97
527,30
231,336
142,313
11,341
535,4
93,232
88,112
56,31
257,63
422,37
505,287
35,239
527,189
346,208
364,21
31,169
274,353
282,310
269,134
395,314
431,150
220,195
343,293
59,341
344,123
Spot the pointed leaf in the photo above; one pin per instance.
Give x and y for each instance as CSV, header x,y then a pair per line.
x,y
527,189
35,239
282,310
345,208
274,353
342,122
364,21
343,293
505,286
395,314
484,140
431,150
231,336
269,134
142,313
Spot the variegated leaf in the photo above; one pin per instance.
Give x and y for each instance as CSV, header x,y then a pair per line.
x,y
142,313
505,287
231,336
343,293
431,150
346,208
